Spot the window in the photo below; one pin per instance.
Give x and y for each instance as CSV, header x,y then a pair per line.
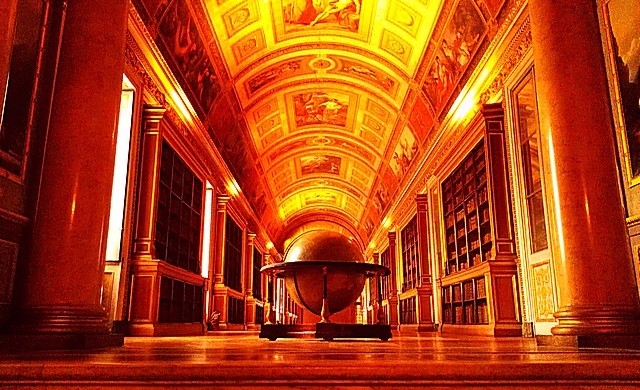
x,y
528,138
120,172
233,255
410,256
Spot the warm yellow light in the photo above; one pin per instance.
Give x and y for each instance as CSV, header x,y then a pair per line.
x,y
177,99
206,234
269,245
386,222
233,187
556,199
465,107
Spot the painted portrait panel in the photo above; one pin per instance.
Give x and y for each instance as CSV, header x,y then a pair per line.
x,y
624,16
182,43
404,153
315,108
305,14
459,42
310,165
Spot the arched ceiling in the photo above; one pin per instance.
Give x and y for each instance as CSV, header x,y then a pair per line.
x,y
319,106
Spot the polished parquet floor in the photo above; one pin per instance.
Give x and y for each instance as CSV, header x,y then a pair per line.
x,y
249,362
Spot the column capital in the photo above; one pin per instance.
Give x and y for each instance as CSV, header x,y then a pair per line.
x,y
376,257
266,258
222,200
422,200
153,113
392,236
251,238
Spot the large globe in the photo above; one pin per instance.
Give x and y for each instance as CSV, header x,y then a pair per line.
x,y
304,261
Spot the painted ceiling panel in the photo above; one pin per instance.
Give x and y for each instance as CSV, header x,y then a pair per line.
x,y
320,107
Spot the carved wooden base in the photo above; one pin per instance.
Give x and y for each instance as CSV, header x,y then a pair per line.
x,y
326,330
330,331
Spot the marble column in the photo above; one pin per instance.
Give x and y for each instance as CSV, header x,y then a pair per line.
x,y
63,273
425,286
269,313
598,298
219,295
143,244
393,288
249,301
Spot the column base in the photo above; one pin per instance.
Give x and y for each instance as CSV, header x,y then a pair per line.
x,y
590,341
586,320
35,342
61,320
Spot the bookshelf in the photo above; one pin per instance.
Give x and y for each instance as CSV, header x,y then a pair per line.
x,y
177,236
465,302
410,257
479,272
468,233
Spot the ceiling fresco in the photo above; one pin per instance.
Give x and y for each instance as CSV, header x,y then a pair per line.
x,y
320,107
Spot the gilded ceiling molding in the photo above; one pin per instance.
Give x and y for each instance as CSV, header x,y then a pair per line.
x,y
341,48
508,61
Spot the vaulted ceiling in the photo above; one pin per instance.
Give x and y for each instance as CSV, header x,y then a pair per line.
x,y
320,107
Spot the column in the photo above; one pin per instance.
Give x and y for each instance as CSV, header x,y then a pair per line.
x,y
143,245
373,285
425,286
249,301
598,298
219,295
63,271
393,291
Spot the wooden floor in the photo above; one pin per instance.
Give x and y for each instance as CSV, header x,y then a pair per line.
x,y
249,362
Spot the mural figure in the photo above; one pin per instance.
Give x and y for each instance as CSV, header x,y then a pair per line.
x,y
405,151
310,165
180,36
341,13
459,42
321,108
625,23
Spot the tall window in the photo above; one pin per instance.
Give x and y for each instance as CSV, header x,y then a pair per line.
x,y
410,257
120,172
233,255
528,133
179,211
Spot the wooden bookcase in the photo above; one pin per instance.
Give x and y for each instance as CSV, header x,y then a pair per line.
x,y
467,218
178,221
410,256
479,278
233,255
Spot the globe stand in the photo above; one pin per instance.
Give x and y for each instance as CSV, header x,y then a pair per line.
x,y
327,330
336,260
